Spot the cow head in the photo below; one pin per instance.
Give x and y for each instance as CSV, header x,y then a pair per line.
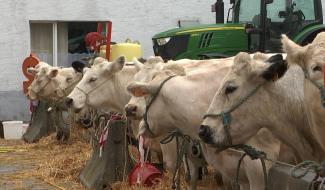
x,y
143,90
98,79
52,83
310,58
145,73
42,85
242,90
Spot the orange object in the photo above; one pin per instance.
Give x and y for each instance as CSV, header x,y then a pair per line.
x,y
147,175
30,61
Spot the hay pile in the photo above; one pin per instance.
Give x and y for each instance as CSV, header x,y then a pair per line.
x,y
48,160
59,164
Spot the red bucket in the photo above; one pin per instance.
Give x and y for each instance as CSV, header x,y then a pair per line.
x,y
147,175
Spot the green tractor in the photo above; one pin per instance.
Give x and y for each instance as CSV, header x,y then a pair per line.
x,y
256,25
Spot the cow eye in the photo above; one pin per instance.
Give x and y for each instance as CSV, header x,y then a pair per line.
x,y
69,79
317,68
230,89
92,79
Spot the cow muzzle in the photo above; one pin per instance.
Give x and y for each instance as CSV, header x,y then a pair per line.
x,y
205,134
68,102
130,110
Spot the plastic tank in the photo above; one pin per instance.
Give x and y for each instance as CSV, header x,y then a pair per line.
x,y
129,50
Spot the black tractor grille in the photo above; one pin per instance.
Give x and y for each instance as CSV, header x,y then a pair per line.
x,y
205,40
175,46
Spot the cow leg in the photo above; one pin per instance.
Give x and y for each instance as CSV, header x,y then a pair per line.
x,y
254,173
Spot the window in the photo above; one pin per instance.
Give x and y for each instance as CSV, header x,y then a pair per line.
x,y
60,43
274,8
306,6
41,35
249,11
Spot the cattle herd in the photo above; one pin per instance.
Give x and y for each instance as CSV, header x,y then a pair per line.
x,y
275,103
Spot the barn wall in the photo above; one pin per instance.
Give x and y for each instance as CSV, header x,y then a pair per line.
x,y
138,20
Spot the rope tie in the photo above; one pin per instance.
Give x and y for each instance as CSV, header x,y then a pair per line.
x,y
253,154
182,148
305,167
145,115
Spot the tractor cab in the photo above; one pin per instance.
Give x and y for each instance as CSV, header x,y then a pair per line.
x,y
255,25
266,20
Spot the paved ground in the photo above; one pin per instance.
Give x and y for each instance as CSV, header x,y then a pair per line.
x,y
18,166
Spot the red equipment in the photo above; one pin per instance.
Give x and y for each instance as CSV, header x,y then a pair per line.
x,y
148,174
144,173
94,40
30,61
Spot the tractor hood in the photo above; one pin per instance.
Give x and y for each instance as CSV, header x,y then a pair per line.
x,y
198,29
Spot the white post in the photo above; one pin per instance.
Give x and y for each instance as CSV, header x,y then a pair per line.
x,y
55,44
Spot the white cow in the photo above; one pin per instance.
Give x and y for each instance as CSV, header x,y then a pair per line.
x,y
181,104
52,84
311,59
252,98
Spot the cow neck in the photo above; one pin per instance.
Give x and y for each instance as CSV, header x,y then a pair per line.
x,y
292,127
319,86
315,111
154,97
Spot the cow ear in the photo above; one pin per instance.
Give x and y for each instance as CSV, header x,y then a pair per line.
x,y
31,71
138,65
295,53
98,60
78,66
138,89
276,69
53,73
117,64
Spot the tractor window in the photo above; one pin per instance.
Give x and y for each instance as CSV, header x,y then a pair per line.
x,y
249,11
273,10
307,8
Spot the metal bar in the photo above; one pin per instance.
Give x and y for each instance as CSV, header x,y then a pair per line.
x,y
108,38
55,44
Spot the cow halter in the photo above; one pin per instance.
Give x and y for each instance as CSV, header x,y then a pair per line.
x,y
321,87
42,87
226,115
145,115
65,90
91,90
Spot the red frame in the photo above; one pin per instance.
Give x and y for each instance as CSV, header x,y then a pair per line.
x,y
108,36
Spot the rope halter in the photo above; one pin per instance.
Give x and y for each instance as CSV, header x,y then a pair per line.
x,y
226,115
87,93
154,97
